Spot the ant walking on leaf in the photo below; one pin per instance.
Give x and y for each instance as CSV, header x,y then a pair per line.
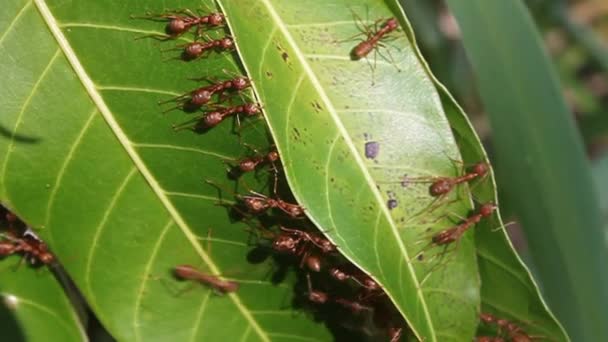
x,y
446,237
376,35
181,21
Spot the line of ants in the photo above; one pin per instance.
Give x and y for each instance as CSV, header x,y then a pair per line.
x,y
312,249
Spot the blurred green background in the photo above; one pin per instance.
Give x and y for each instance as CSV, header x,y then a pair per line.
x,y
573,34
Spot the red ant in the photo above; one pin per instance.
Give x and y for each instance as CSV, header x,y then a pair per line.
x,y
373,40
515,332
196,50
362,279
296,242
201,96
449,235
319,297
188,272
214,118
251,163
30,246
441,186
182,21
452,234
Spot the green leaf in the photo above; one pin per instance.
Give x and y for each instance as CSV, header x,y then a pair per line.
x,y
542,163
323,109
34,306
89,160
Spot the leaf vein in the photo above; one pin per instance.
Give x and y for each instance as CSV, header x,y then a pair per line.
x,y
99,229
199,316
144,278
20,116
65,164
14,21
181,148
332,111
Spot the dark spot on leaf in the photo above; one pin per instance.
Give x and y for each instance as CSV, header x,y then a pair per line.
x,y
296,133
420,257
372,148
269,74
392,204
285,56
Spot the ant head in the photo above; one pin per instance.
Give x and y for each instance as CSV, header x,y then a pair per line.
x,y
284,243
251,109
481,169
326,246
392,23
193,50
486,317
256,204
226,43
317,297
216,19
273,156
295,210
200,97
46,258
176,26
212,119
338,274
370,284
440,187
247,165
487,209
240,83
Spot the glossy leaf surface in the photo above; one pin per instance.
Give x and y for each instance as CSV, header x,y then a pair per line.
x,y
88,159
348,137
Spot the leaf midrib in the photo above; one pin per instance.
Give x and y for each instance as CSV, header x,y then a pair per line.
x,y
96,97
333,113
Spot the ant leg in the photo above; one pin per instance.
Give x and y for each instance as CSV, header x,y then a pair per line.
x,y
390,59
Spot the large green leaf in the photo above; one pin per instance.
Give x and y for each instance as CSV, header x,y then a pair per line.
x,y
542,159
89,160
323,109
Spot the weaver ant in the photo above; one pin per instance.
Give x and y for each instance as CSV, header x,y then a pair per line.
x,y
320,297
515,332
188,272
452,234
214,118
196,50
201,96
181,21
29,245
360,278
257,203
441,186
250,164
373,40
299,243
